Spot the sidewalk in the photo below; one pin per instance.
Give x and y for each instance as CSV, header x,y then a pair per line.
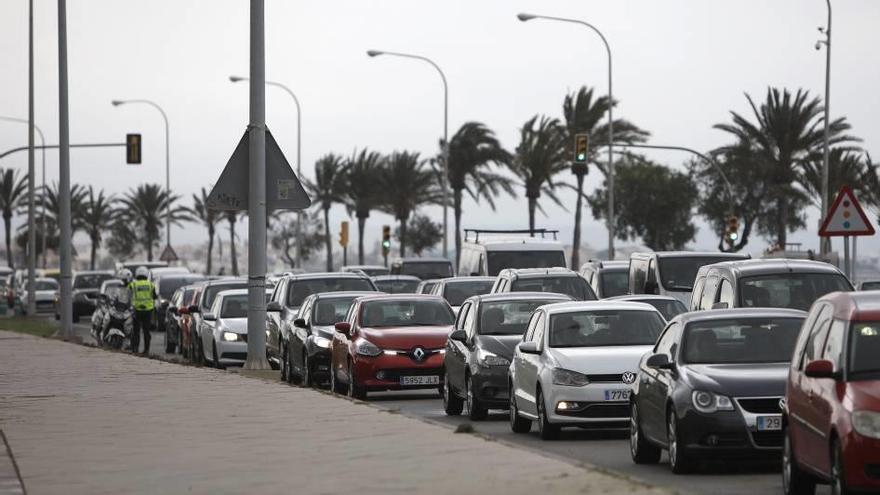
x,y
84,420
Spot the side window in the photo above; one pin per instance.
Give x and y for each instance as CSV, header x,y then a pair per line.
x,y
306,314
835,344
667,341
816,342
538,336
637,276
530,328
352,311
809,333
469,320
697,293
462,314
725,293
479,269
708,293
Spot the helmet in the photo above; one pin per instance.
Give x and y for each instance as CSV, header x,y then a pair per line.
x,y
124,275
141,272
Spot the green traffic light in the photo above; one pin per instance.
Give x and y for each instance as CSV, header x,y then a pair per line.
x,y
386,244
581,157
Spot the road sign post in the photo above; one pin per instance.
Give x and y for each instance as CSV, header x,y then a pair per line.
x,y
846,219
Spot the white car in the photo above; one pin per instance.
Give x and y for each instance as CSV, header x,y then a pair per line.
x,y
577,363
224,333
44,295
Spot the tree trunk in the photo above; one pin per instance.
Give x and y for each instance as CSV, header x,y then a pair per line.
x,y
533,204
327,242
362,223
232,256
94,252
149,245
576,241
210,248
781,220
402,237
456,209
7,222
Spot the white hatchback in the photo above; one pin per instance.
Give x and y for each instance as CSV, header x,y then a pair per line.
x,y
577,363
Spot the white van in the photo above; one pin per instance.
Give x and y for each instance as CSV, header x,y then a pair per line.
x,y
671,273
487,252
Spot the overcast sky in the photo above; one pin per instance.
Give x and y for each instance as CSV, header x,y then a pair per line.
x,y
680,66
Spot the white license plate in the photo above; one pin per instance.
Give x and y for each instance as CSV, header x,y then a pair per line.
x,y
420,380
617,395
769,423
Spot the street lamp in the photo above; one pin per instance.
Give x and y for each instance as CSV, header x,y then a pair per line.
x,y
299,241
116,103
528,17
376,53
825,244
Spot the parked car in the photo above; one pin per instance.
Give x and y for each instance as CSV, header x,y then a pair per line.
x,y
576,364
480,348
211,334
397,284
187,322
711,387
368,270
390,342
607,278
668,306
288,296
556,280
831,412
166,284
305,351
45,291
426,286
487,252
105,294
228,335
177,306
161,271
456,289
423,268
765,283
85,287
200,328
671,273
869,285
134,265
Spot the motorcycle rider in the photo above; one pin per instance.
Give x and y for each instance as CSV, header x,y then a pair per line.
x,y
121,296
143,296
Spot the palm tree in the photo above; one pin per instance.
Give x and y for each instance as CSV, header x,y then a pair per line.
x,y
232,218
49,200
200,212
329,188
13,187
539,156
786,134
364,190
846,168
584,115
412,183
144,208
472,149
98,216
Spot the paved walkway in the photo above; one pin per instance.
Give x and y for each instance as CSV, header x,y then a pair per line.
x,y
85,420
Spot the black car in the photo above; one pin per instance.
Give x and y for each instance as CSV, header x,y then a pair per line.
x,y
305,352
166,285
712,387
480,347
86,285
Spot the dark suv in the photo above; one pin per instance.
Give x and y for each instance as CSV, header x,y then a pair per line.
x,y
556,280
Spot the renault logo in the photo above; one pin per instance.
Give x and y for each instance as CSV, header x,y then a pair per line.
x,y
628,377
418,353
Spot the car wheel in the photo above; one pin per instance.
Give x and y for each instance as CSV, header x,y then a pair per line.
x,y
838,476
476,410
518,424
452,404
547,430
679,458
794,481
642,451
354,391
306,371
214,358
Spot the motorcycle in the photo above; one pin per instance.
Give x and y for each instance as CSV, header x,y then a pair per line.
x,y
117,325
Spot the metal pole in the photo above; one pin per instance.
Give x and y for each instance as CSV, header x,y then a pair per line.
x,y
64,175
825,244
32,231
256,356
846,265
855,265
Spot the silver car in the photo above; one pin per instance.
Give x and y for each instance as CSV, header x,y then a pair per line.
x,y
224,335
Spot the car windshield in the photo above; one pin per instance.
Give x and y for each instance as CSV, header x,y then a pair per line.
x,y
392,286
210,292
90,280
406,313
864,348
167,286
605,328
499,260
234,306
668,308
508,317
570,285
46,285
299,290
741,340
427,269
329,311
456,292
789,290
677,273
614,283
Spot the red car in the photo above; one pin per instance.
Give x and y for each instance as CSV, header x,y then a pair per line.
x,y
831,413
187,343
390,343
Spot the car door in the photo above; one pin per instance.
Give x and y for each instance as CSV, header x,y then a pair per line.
x,y
275,320
827,392
654,386
527,374
295,337
457,353
810,441
519,360
207,332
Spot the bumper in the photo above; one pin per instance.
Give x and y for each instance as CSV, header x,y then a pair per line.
x,y
861,458
490,386
319,362
586,406
384,372
727,434
232,353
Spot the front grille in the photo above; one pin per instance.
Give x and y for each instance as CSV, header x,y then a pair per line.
x,y
599,410
765,405
241,356
873,471
615,378
395,374
767,438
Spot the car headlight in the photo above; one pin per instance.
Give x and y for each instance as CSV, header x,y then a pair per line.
x,y
569,378
367,348
230,336
322,342
707,402
486,358
867,423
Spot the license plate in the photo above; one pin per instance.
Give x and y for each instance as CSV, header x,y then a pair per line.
x,y
769,423
617,395
420,380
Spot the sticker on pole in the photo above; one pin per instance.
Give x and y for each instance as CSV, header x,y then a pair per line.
x,y
846,217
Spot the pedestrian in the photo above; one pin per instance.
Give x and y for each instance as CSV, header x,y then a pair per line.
x,y
143,296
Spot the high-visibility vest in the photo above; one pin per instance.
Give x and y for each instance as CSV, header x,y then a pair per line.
x,y
142,295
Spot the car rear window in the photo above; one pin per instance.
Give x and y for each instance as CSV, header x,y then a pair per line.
x,y
427,269
741,340
570,285
395,313
499,260
789,290
391,286
456,292
605,328
614,283
90,280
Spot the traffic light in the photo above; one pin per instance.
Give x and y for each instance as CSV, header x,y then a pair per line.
x,y
731,232
581,147
386,240
343,233
133,149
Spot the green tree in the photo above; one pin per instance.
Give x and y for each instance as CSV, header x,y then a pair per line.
x,y
652,202
122,242
421,234
98,216
48,198
200,212
13,190
144,208
364,190
331,174
413,184
539,156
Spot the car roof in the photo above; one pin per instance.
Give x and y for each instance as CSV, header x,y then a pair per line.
x,y
320,275
641,297
359,267
232,292
719,314
221,281
386,278
600,305
607,265
343,294
855,306
422,260
686,254
381,296
92,272
769,266
519,296
454,280
514,243
537,272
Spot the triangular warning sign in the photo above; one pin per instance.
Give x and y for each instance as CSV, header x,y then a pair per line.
x,y
846,217
168,255
284,191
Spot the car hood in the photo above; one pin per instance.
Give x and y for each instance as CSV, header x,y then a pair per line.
x,y
501,345
865,395
433,337
236,325
605,360
738,380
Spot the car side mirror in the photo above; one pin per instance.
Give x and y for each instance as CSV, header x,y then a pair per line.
x,y
273,306
343,327
720,305
193,309
459,335
209,317
528,348
659,361
300,323
821,368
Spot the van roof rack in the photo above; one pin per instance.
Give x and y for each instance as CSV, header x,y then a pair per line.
x,y
532,233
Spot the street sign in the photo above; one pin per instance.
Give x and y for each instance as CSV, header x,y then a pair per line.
x,y
284,191
168,255
133,149
846,217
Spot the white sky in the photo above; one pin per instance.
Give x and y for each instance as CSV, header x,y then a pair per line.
x,y
679,67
